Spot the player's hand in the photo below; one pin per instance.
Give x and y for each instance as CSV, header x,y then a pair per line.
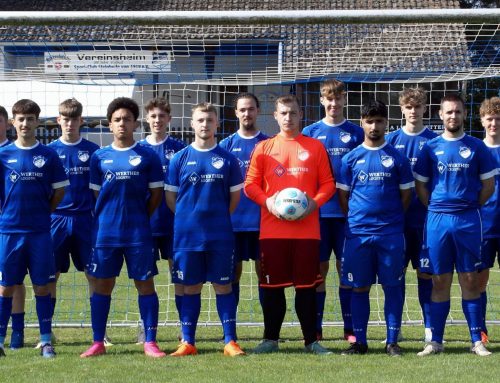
x,y
270,205
311,206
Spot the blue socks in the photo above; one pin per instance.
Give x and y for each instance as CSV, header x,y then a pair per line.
x,y
484,306
393,311
17,322
99,308
148,307
44,312
191,306
178,304
473,313
345,307
5,310
360,307
439,313
424,298
226,308
261,299
236,292
320,308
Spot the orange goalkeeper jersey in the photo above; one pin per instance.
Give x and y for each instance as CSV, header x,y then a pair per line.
x,y
279,163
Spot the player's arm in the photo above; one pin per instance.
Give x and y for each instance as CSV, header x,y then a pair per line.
x,y
56,198
405,197
344,200
422,192
171,198
234,200
154,199
487,190
96,193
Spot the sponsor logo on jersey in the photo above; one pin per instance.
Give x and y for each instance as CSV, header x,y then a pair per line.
x,y
217,162
464,152
303,155
194,178
39,161
441,167
362,177
134,160
387,161
109,176
83,155
345,137
12,160
14,176
169,153
279,170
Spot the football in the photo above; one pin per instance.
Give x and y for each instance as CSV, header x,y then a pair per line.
x,y
291,203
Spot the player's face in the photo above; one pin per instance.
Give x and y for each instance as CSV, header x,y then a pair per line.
x,y
414,113
453,114
122,124
70,126
204,124
25,125
374,128
334,105
247,112
158,120
491,125
288,117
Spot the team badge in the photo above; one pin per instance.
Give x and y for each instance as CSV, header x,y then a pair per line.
x,y
464,152
169,153
194,178
362,177
421,145
345,137
83,155
134,160
387,161
303,155
217,162
441,167
14,176
109,176
39,161
279,170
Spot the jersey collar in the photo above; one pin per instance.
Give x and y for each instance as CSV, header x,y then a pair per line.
x,y
203,150
70,143
29,147
333,125
245,137
123,149
454,138
377,148
155,143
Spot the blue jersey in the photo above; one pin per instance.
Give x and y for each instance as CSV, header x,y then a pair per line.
x,y
410,145
338,141
374,178
78,198
454,169
490,212
28,178
123,178
162,220
246,217
203,180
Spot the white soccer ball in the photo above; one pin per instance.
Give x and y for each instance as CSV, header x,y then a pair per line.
x,y
291,203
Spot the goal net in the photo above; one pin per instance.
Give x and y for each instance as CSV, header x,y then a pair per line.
x,y
191,57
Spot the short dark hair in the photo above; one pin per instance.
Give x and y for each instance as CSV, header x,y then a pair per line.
x,y
3,112
452,97
123,103
26,106
71,108
374,108
241,95
158,102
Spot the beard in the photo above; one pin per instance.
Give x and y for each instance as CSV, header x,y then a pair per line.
x,y
454,129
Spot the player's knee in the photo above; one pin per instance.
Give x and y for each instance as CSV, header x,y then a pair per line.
x,y
146,287
6,291
41,290
222,289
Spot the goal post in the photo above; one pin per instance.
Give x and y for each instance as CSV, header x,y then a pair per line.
x,y
194,56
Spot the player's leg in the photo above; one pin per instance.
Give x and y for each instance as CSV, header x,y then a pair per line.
x,y
6,293
326,247
17,315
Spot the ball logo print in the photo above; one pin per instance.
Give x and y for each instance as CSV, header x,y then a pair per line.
x,y
387,161
345,137
217,162
169,153
134,160
39,161
83,156
291,203
303,155
464,152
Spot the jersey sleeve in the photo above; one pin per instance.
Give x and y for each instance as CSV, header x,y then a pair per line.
x,y
307,131
172,176
406,180
487,168
95,173
254,179
59,179
325,180
344,179
235,176
155,176
422,168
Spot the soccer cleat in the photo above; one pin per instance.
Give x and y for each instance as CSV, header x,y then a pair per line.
x,y
356,349
427,335
52,341
317,349
151,349
479,349
484,337
267,346
47,351
185,349
400,338
393,349
17,340
350,337
431,348
233,349
96,349
2,352
107,341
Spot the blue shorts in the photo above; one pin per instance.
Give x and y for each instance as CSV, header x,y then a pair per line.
x,y
163,246
490,250
452,241
414,240
194,267
368,256
72,237
246,246
107,262
332,238
26,252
